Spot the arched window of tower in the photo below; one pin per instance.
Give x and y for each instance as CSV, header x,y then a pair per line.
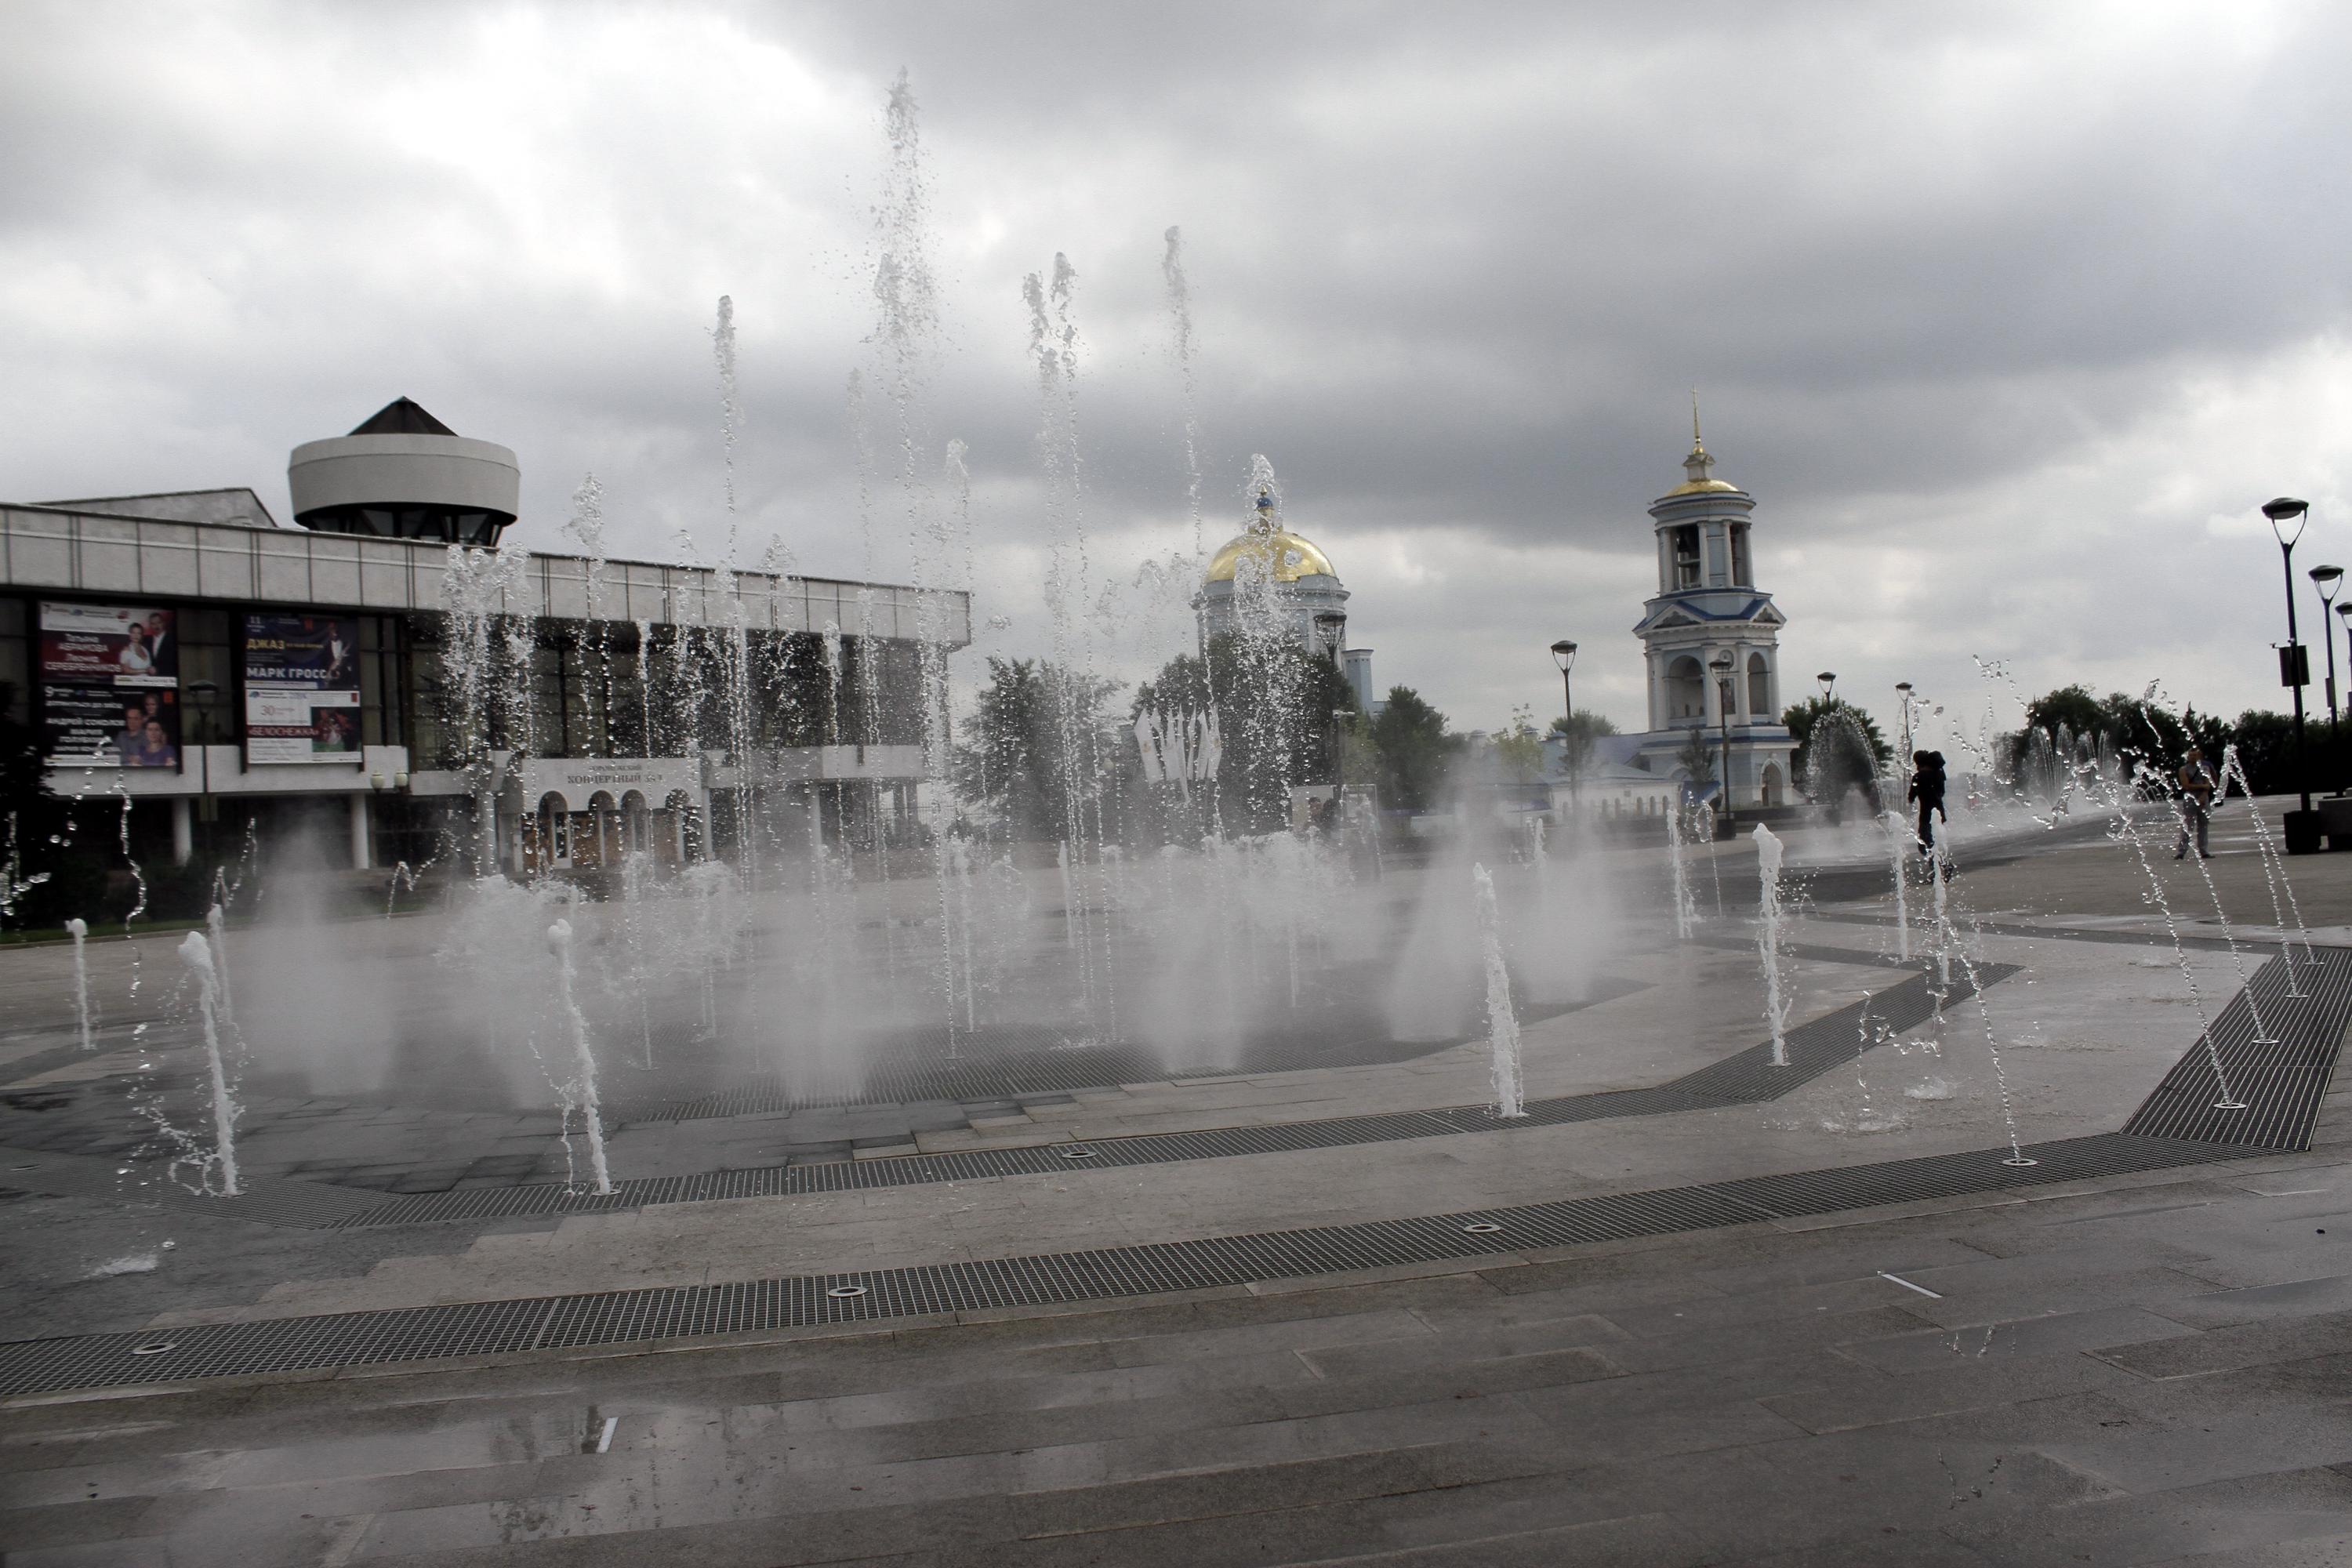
x,y
1685,690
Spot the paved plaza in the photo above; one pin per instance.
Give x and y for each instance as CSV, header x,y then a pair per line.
x,y
1697,1308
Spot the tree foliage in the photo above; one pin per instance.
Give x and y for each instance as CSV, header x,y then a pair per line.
x,y
1697,756
1414,749
1281,714
1031,749
1579,734
1839,747
1519,750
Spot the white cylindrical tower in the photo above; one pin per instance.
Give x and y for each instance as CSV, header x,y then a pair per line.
x,y
405,474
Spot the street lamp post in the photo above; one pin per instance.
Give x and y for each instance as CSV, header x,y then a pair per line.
x,y
1905,688
1722,665
2327,580
1563,654
2345,610
2295,669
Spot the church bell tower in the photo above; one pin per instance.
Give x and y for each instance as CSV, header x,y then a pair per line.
x,y
1712,642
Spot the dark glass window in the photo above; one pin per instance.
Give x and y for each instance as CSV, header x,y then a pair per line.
x,y
209,677
17,659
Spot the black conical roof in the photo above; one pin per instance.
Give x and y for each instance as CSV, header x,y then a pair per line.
x,y
402,418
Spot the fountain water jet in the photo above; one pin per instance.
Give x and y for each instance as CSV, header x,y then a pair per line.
x,y
2273,872
580,1093
1900,844
1767,939
1686,911
197,955
2128,831
1502,1019
78,929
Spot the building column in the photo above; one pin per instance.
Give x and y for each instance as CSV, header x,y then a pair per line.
x,y
184,833
362,837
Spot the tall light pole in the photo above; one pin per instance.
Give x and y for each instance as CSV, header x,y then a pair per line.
x,y
2345,610
2327,580
2295,669
1563,654
1905,688
1721,665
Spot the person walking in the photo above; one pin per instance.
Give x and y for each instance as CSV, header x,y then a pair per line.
x,y
2197,787
1927,789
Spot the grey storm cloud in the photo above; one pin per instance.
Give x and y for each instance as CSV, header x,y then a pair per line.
x,y
2009,315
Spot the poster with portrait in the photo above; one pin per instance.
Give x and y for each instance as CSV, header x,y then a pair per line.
x,y
302,688
109,677
109,645
96,726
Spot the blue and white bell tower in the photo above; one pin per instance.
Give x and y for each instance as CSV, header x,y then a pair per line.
x,y
1711,638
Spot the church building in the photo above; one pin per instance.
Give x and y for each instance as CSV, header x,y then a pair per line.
x,y
1271,581
1712,641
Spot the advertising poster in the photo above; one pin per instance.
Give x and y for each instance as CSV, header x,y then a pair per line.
x,y
109,645
302,688
111,726
109,685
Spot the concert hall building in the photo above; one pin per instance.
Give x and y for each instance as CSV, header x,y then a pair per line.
x,y
189,654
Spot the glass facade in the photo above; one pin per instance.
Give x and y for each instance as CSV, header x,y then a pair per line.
x,y
591,688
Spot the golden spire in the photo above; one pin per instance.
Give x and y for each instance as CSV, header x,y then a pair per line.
x,y
1700,467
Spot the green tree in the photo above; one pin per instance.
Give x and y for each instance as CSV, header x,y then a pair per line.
x,y
1414,751
1839,747
2266,750
1519,750
1579,734
1032,749
1281,720
1697,756
2073,709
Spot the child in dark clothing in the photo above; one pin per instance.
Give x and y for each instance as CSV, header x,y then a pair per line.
x,y
1927,789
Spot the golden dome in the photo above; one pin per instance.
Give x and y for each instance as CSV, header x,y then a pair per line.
x,y
1703,488
1286,556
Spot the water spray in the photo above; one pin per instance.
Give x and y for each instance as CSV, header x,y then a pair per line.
x,y
197,955
1502,1019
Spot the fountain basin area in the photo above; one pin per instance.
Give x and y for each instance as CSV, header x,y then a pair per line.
x,y
870,1274
437,1178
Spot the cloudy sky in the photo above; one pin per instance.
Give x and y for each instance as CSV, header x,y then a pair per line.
x,y
2010,315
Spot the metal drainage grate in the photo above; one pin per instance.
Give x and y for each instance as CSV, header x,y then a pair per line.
x,y
492,1328
2282,1082
1747,1078
308,1204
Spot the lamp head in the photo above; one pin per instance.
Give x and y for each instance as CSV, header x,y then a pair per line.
x,y
2327,579
1720,664
1563,654
1904,687
2283,511
1828,678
